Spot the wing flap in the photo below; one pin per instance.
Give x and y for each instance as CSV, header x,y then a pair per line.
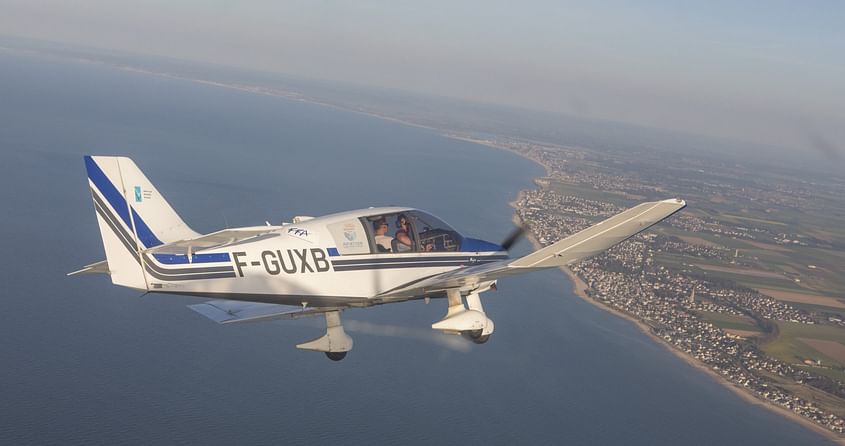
x,y
235,311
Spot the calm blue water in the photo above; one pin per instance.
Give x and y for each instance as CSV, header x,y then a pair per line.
x,y
84,362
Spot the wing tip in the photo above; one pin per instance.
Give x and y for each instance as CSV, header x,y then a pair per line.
x,y
675,201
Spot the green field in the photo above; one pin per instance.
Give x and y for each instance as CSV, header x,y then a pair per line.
x,y
827,279
810,308
677,261
788,348
728,217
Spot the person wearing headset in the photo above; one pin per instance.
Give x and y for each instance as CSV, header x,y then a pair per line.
x,y
404,240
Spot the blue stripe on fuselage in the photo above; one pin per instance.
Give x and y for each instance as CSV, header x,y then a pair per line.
x,y
413,262
178,259
415,259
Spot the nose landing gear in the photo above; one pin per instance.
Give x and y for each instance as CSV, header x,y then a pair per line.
x,y
335,343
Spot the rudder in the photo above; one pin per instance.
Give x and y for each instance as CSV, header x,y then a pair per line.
x,y
132,216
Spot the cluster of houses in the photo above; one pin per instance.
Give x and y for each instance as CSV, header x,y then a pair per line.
x,y
669,300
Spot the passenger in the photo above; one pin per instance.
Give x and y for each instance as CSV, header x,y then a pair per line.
x,y
403,234
383,241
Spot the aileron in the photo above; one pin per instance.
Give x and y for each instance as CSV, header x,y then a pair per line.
x,y
232,311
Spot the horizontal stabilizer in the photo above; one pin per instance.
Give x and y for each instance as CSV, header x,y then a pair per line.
x,y
215,240
235,311
101,267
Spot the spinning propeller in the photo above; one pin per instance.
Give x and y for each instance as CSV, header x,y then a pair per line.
x,y
514,236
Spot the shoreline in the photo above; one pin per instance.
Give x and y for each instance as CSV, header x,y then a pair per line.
x,y
579,288
578,285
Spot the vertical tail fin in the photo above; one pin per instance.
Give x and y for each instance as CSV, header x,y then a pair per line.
x,y
132,216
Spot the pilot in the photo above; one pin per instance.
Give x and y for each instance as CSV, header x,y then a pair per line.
x,y
383,241
403,234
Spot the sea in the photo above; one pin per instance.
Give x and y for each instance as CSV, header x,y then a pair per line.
x,y
85,362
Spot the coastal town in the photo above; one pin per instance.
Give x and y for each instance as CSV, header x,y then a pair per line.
x,y
668,280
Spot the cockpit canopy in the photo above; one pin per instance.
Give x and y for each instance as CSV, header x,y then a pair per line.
x,y
411,231
401,231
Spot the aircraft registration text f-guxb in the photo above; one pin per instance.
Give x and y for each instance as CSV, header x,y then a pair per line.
x,y
320,265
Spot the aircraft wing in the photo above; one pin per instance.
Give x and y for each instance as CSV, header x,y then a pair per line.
x,y
581,245
235,311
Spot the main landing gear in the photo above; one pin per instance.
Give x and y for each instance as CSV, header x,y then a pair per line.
x,y
336,356
468,320
335,343
465,319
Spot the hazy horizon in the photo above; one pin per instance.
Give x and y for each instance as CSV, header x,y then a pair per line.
x,y
90,363
766,74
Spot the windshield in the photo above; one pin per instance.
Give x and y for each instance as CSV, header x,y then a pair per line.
x,y
434,234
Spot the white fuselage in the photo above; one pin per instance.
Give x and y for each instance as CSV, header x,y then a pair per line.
x,y
322,261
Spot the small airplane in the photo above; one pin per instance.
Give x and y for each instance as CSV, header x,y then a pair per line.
x,y
321,265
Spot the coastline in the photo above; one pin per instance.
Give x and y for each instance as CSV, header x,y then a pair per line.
x,y
579,288
578,285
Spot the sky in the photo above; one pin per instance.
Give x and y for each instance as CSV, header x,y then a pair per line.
x,y
769,72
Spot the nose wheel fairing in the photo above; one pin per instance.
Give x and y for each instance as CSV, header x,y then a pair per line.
x,y
335,343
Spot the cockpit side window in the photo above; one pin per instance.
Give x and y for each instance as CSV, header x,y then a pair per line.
x,y
411,231
391,233
434,234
